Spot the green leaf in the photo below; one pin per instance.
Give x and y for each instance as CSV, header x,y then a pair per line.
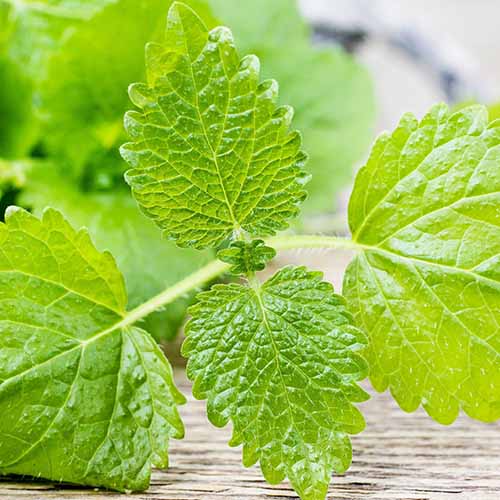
x,y
426,287
30,33
83,398
116,224
60,49
5,23
247,257
18,127
331,93
83,120
211,151
36,28
493,107
494,111
281,363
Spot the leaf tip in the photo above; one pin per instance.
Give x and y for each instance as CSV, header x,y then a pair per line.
x,y
251,63
12,210
222,35
269,89
178,10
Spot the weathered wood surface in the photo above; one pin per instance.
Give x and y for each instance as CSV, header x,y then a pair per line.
x,y
398,457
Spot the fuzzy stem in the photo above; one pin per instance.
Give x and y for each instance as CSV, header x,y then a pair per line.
x,y
312,241
216,268
169,295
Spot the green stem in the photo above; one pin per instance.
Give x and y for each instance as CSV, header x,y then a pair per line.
x,y
169,295
312,241
216,268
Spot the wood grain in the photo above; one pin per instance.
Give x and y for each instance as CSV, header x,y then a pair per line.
x,y
399,457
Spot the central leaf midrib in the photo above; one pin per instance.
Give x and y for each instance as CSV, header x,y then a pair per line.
x,y
393,188
80,344
64,287
415,260
278,367
401,330
451,206
53,421
112,416
236,224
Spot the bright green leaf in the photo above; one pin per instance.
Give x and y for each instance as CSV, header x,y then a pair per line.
x,y
36,28
281,363
494,111
331,93
426,287
211,151
493,107
30,33
83,399
116,224
5,23
58,50
18,127
83,120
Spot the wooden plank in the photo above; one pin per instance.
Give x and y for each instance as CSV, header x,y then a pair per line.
x,y
399,457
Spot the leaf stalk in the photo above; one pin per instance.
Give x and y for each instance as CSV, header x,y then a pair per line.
x,y
216,268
